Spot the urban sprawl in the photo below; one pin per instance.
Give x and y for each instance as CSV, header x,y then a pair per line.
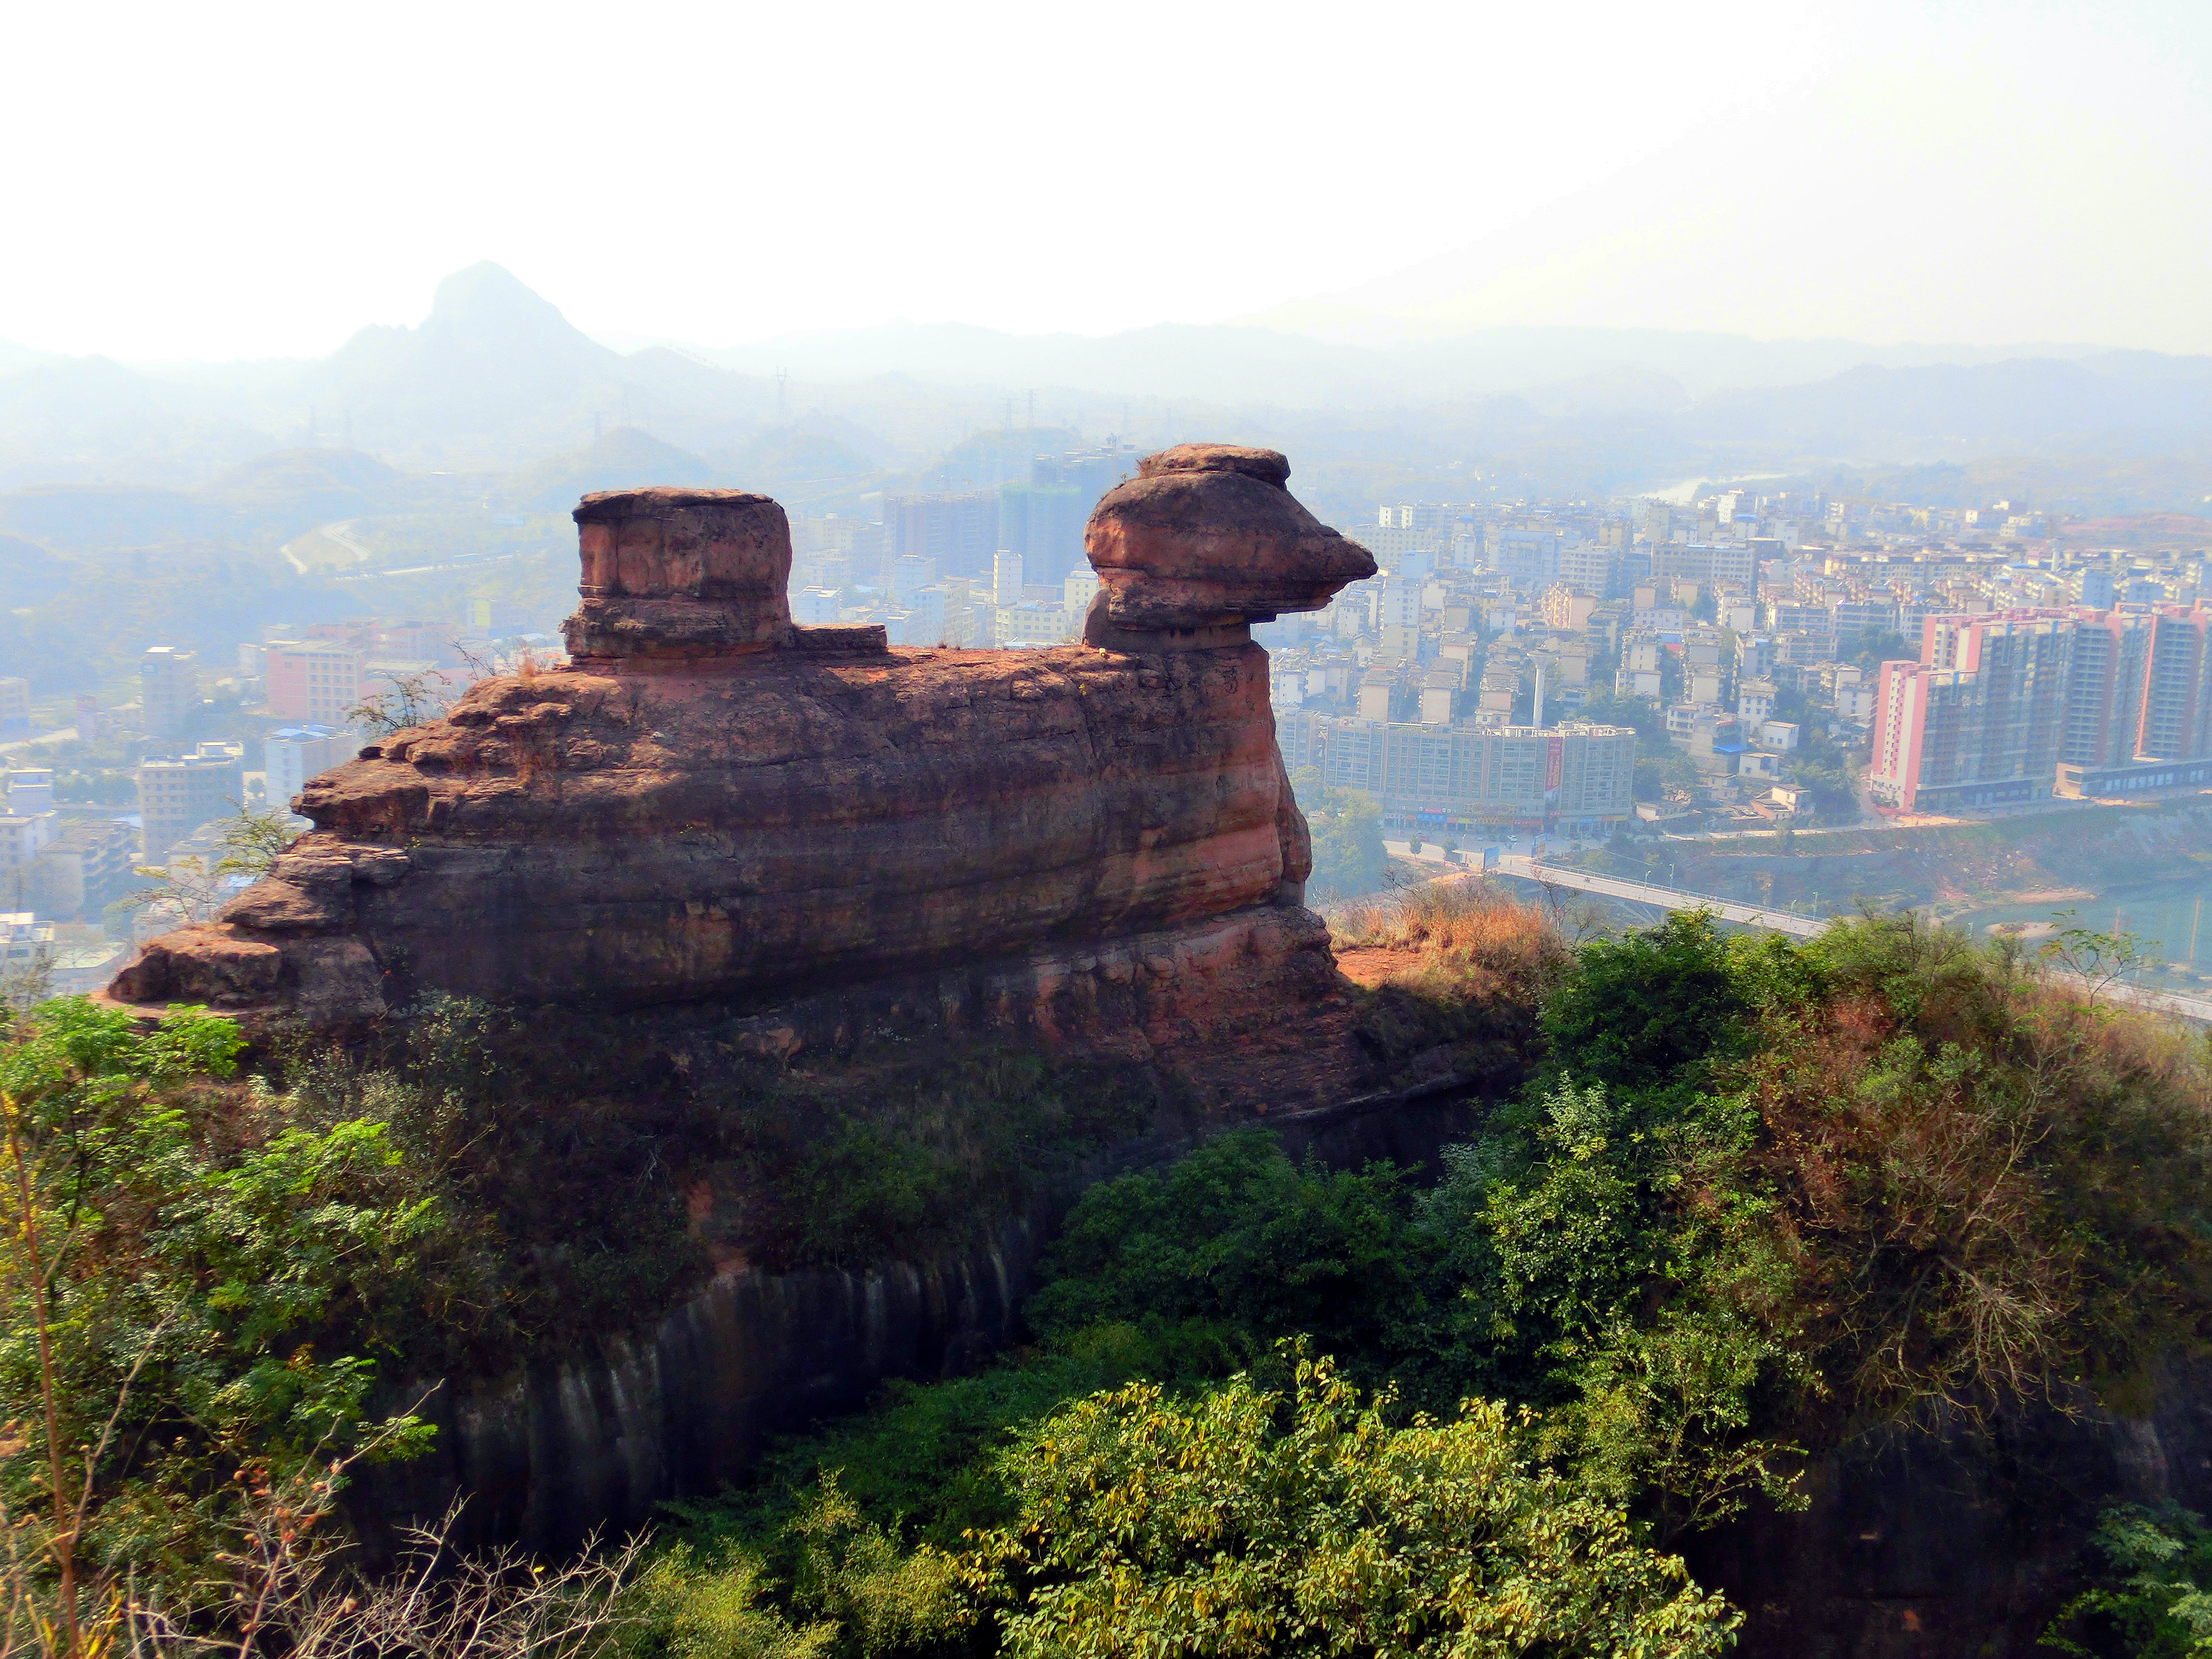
x,y
1729,662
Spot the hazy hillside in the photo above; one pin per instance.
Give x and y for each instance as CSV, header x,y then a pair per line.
x,y
1904,413
1318,366
495,376
494,394
620,459
15,358
111,515
87,420
28,573
256,504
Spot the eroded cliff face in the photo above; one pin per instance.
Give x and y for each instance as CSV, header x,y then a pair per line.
x,y
713,804
552,1453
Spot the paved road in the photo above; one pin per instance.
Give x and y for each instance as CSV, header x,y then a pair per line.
x,y
66,734
2198,1009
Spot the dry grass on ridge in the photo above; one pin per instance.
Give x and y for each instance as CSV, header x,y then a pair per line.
x,y
1448,961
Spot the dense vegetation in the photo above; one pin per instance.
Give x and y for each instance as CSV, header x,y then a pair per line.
x,y
1760,1197
1753,1197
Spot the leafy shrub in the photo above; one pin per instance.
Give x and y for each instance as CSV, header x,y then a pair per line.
x,y
1235,1238
883,1160
853,1591
193,1296
2152,1593
568,1154
1991,1189
1246,1522
1759,1196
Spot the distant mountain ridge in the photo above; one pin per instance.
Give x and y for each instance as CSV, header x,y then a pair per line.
x,y
494,381
2031,403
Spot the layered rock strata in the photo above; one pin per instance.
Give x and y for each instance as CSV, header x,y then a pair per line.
x,y
712,805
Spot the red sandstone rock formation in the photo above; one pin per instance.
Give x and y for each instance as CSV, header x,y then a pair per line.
x,y
672,574
1204,541
1095,845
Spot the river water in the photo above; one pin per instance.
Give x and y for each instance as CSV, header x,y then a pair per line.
x,y
2171,920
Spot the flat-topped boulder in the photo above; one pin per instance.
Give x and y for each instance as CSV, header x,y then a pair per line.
x,y
675,575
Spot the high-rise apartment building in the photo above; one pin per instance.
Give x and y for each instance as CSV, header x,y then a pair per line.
x,y
14,705
2176,718
2103,688
1043,520
84,868
176,796
293,753
959,532
1409,516
315,681
909,575
920,619
1590,568
1529,559
169,689
1398,618
1077,589
1044,523
1710,564
1999,701
1978,721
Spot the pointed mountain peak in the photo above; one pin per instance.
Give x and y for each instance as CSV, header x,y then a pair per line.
x,y
489,293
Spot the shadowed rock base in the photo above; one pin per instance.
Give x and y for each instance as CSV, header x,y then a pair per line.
x,y
1944,1545
553,1453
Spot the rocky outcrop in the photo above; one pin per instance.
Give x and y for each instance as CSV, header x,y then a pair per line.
x,y
678,575
556,1452
1202,542
710,803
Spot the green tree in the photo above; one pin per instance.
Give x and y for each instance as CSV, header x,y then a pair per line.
x,y
1252,1523
2150,1595
1641,1011
176,1299
1611,709
1238,1238
1654,1325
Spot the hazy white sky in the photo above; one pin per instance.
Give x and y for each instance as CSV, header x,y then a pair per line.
x,y
240,180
